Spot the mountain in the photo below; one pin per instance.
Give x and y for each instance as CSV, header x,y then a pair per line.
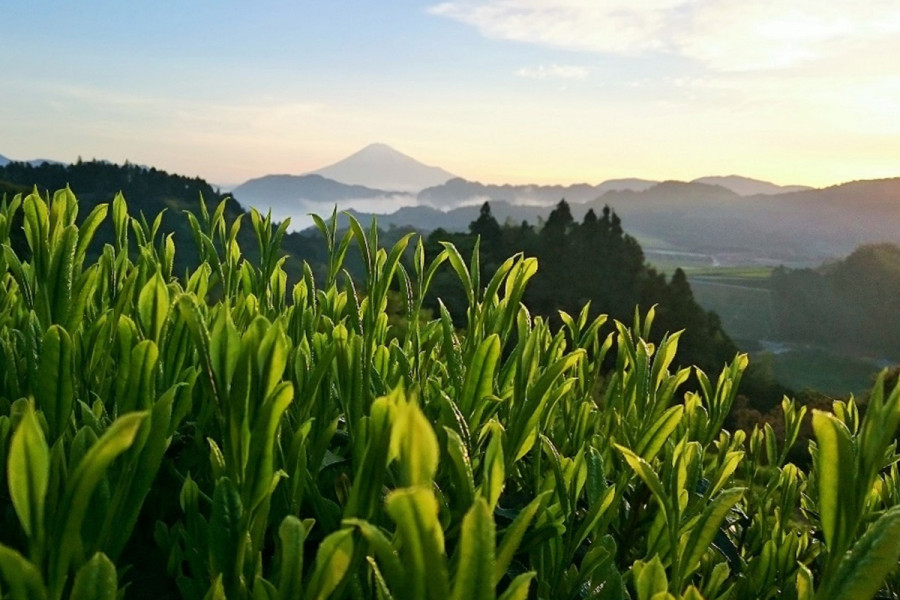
x,y
794,228
380,166
3,161
460,192
295,195
631,183
746,186
279,190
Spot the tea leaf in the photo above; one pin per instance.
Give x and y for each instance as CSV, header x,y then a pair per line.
x,y
474,577
96,580
28,473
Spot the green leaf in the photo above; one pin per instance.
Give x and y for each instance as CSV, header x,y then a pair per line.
x,y
388,559
518,587
655,437
87,230
805,589
461,467
264,589
272,358
144,459
862,572
28,472
60,277
226,535
705,529
382,590
595,514
260,462
479,377
692,593
153,307
415,441
190,311
96,580
224,349
415,510
366,491
291,536
836,469
493,469
37,231
647,475
650,578
23,577
523,426
596,476
513,535
80,487
53,388
462,271
475,574
139,392
216,590
332,563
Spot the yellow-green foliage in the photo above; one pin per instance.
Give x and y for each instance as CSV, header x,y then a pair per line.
x,y
224,434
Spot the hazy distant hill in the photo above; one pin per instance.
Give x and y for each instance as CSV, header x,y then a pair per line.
x,y
386,173
796,228
283,191
858,298
380,166
746,186
459,192
804,227
672,198
295,196
34,162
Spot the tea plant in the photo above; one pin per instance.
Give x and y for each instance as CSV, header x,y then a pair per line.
x,y
222,433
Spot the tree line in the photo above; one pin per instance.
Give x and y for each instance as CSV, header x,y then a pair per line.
x,y
593,261
852,305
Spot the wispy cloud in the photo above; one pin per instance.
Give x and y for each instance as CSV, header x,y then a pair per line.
x,y
554,72
725,35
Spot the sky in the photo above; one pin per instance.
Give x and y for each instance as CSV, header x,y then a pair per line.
x,y
517,91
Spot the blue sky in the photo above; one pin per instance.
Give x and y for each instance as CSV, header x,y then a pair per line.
x,y
495,90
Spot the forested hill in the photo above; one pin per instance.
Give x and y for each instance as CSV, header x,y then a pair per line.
x,y
148,191
850,305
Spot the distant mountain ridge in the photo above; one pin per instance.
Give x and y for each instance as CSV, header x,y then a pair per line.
x,y
279,189
459,192
34,162
745,186
382,167
294,195
384,172
797,228
794,228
